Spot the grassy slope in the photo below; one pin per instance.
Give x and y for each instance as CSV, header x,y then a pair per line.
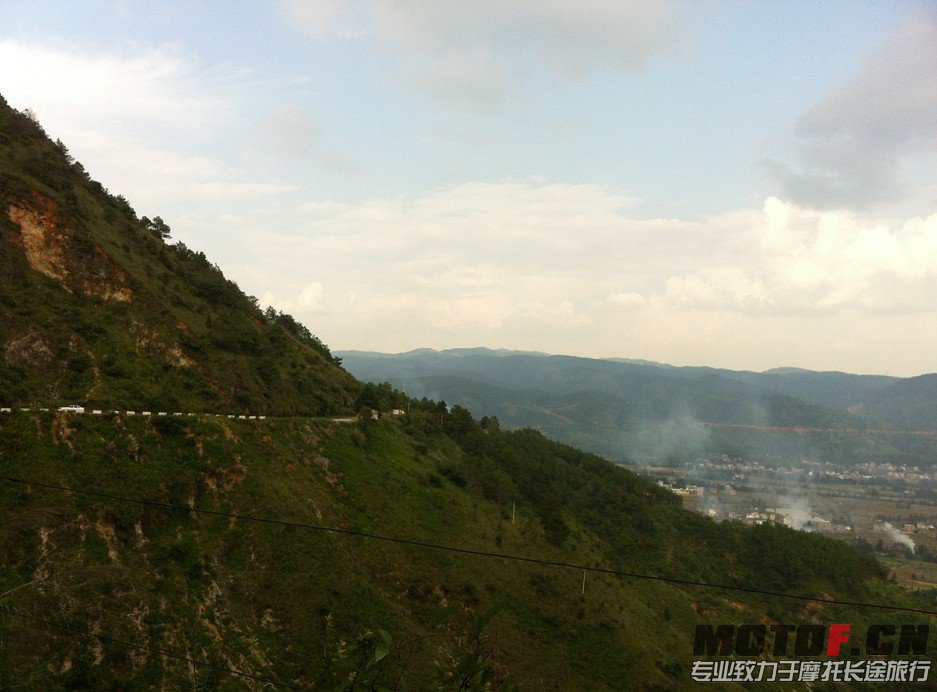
x,y
258,596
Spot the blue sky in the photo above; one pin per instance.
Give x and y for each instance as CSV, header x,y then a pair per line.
x,y
740,184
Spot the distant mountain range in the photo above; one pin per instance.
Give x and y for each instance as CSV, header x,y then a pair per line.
x,y
632,409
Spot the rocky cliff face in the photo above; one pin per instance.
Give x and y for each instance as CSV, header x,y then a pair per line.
x,y
66,253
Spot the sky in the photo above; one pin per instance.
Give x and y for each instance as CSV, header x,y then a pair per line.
x,y
738,184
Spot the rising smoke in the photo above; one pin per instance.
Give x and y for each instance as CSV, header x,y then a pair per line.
x,y
797,511
680,435
897,536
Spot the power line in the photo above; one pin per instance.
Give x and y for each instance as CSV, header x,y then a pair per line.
x,y
132,645
466,551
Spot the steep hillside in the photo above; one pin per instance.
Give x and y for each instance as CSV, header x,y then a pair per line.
x,y
97,308
308,608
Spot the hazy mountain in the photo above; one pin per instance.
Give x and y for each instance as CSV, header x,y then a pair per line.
x,y
639,391
907,403
625,409
836,390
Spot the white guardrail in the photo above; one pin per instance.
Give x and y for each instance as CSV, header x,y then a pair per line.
x,y
100,412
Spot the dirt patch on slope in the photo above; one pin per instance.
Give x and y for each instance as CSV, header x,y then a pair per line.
x,y
54,249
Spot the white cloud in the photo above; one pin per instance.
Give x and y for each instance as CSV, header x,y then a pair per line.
x,y
462,260
856,146
474,54
310,298
292,130
227,191
307,301
323,17
531,247
473,81
435,305
157,180
805,262
132,120
628,299
70,89
570,38
568,268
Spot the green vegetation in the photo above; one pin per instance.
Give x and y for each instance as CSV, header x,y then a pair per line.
x,y
309,608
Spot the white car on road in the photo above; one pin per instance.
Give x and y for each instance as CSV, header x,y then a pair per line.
x,y
72,408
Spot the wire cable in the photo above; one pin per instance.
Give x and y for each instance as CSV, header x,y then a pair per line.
x,y
132,645
467,551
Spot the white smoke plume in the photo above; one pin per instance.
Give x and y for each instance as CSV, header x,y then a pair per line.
x,y
680,434
798,513
897,536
